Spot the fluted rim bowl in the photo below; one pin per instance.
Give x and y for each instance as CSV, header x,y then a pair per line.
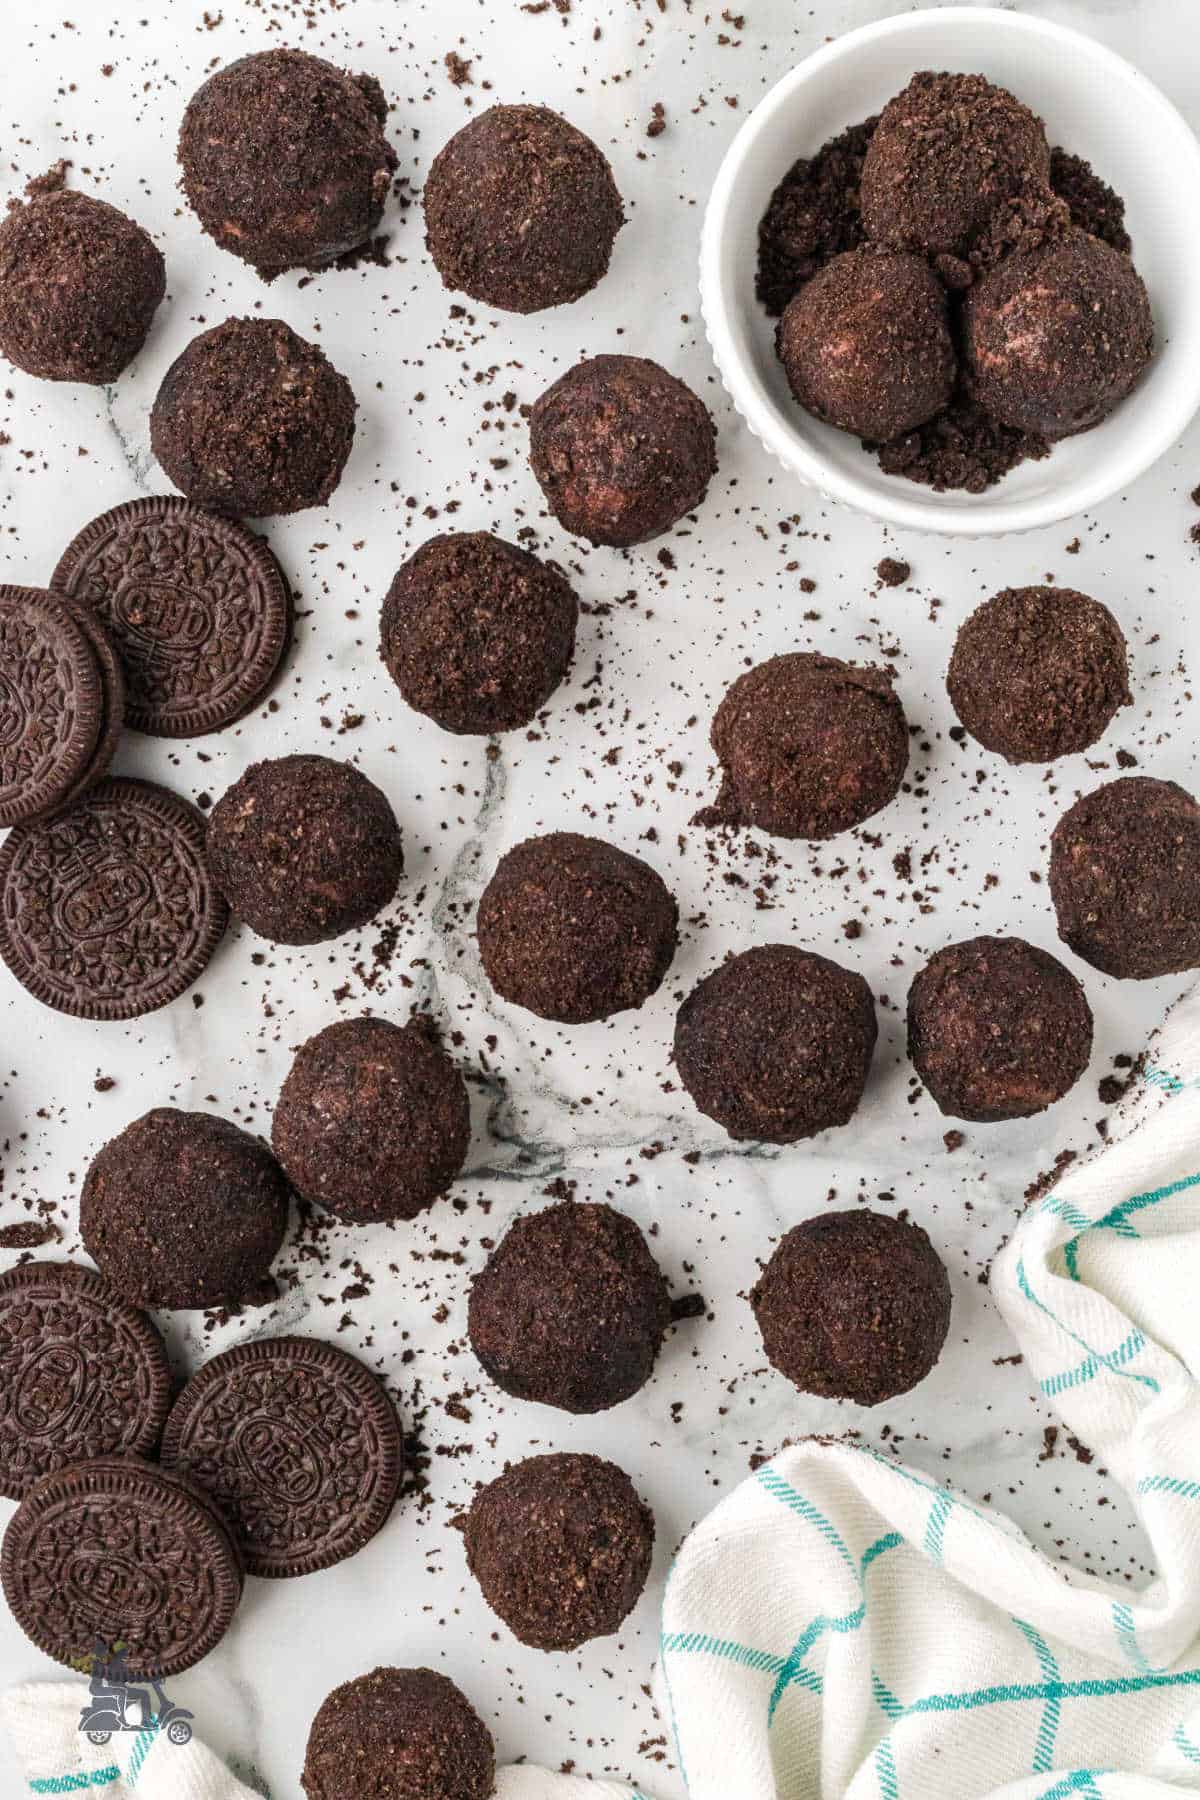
x,y
1095,104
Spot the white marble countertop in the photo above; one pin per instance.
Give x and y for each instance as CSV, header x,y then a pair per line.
x,y
624,753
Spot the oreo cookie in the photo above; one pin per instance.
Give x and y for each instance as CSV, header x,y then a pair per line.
x,y
299,1446
107,909
197,605
50,703
118,1551
81,1374
112,698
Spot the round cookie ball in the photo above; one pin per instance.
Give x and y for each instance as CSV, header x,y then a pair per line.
x,y
304,849
476,633
866,344
808,746
946,154
622,450
521,210
284,159
1056,338
79,285
853,1306
1125,878
253,420
573,929
561,1548
997,1029
571,1309
373,1121
398,1734
776,1044
1039,673
183,1210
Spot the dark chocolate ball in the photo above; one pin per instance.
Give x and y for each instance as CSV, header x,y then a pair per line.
x,y
398,1734
284,159
947,153
521,210
1125,878
573,929
622,450
561,1548
997,1029
808,746
183,1210
853,1306
373,1121
570,1309
79,285
477,634
776,1044
1039,673
866,344
1056,337
252,420
304,849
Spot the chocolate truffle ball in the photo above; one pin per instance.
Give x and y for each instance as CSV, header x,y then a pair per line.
x,y
521,210
573,929
79,284
1039,673
561,1548
808,746
373,1121
1125,878
776,1044
571,1309
398,1734
252,420
947,153
866,344
477,634
853,1306
997,1029
304,849
622,450
1056,337
284,159
183,1210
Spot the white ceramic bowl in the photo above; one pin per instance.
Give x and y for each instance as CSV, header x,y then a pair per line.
x,y
1095,104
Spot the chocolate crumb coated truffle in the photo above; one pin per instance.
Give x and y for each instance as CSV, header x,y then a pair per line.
x,y
284,159
183,1210
79,285
622,450
573,929
253,420
776,1044
561,1548
853,1306
571,1309
947,153
476,633
1125,878
521,210
997,1029
398,1734
1039,673
1056,337
304,849
808,746
373,1121
866,344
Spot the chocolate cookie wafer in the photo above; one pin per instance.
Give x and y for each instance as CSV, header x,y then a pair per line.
x,y
51,702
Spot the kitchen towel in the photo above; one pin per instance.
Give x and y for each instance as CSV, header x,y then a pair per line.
x,y
845,1628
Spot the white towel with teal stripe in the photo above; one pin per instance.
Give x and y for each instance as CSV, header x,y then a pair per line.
x,y
844,1628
